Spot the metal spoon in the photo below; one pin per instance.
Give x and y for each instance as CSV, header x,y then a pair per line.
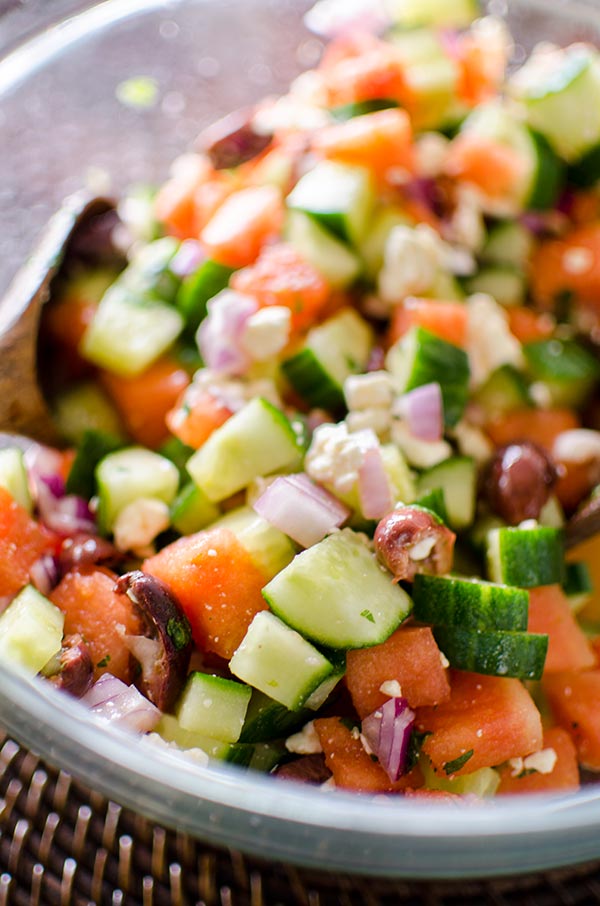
x,y
22,405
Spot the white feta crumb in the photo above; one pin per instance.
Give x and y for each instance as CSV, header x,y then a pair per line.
x,y
420,453
335,455
366,745
444,660
489,340
493,33
527,525
543,762
466,226
578,445
305,742
267,332
472,441
138,523
231,392
541,394
378,419
363,391
430,154
411,261
391,688
578,260
355,733
292,112
422,549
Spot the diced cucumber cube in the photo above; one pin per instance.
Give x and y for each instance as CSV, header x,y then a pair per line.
x,y
505,389
420,357
337,594
318,698
267,719
13,477
331,257
509,242
213,706
494,652
503,282
93,446
128,475
149,274
578,584
469,603
171,730
270,549
192,511
526,557
331,352
372,249
31,631
457,478
85,407
566,368
339,196
275,659
256,441
128,333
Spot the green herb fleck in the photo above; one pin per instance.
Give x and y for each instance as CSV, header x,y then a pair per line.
x,y
104,662
451,767
348,723
415,744
139,92
367,615
179,632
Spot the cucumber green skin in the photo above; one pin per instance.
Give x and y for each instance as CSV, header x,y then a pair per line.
x,y
434,500
94,446
224,719
550,176
495,653
435,360
359,108
308,377
561,360
266,719
195,291
577,579
336,594
179,453
451,601
527,557
191,511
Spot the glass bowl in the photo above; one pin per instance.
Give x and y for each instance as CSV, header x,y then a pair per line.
x,y
61,126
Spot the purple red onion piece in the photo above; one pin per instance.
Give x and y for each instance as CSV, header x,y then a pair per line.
x,y
220,334
301,509
423,409
114,701
387,732
374,490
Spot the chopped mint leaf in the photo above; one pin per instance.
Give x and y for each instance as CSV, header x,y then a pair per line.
x,y
451,767
179,632
104,662
367,615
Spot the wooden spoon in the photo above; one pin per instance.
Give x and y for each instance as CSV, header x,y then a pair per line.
x,y
22,405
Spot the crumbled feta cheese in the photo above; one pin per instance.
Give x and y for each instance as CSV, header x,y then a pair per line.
x,y
293,112
335,456
305,742
328,785
411,261
430,154
232,392
472,441
363,391
391,688
377,419
366,745
579,445
489,340
493,33
466,226
444,660
543,762
528,525
138,523
355,733
578,260
420,453
422,549
267,332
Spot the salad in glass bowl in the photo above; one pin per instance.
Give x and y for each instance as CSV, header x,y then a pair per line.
x,y
328,396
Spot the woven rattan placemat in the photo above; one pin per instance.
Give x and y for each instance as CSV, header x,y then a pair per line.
x,y
62,844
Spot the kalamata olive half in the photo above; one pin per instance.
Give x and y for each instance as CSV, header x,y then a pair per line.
x,y
87,550
518,481
164,653
75,667
232,140
307,769
411,540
